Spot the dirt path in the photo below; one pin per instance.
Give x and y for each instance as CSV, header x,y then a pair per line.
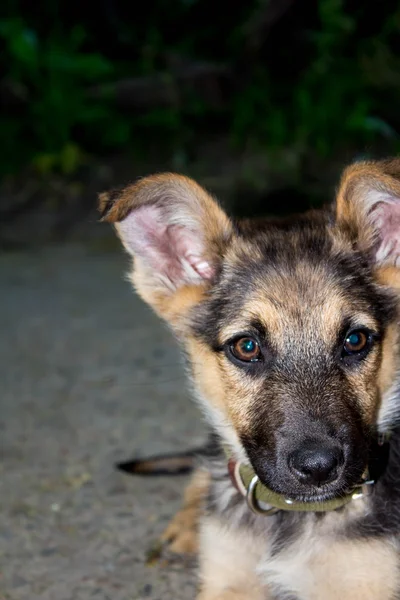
x,y
88,377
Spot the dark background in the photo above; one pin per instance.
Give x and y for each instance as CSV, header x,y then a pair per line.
x,y
263,101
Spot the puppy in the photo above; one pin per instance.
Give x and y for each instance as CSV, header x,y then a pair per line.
x,y
291,334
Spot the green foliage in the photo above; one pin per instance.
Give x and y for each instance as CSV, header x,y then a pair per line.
x,y
342,92
331,104
51,75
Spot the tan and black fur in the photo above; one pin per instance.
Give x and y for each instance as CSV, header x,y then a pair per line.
x,y
297,288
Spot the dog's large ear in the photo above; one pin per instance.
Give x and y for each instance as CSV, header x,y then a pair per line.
x,y
368,208
176,233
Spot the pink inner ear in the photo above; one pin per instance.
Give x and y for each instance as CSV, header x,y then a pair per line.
x,y
175,252
386,218
190,248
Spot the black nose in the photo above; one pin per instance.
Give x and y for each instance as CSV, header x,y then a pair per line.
x,y
314,464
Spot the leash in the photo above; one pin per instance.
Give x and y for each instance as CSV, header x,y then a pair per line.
x,y
264,501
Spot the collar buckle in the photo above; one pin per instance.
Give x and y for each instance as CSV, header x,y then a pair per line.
x,y
253,503
365,489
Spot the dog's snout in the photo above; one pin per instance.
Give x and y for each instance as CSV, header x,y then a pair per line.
x,y
314,464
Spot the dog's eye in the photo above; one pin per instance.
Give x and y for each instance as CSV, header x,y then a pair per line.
x,y
356,342
246,349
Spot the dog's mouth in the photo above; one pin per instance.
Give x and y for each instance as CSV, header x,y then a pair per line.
x,y
320,495
344,485
324,496
328,495
314,471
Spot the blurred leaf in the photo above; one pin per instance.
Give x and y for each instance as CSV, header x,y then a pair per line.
x,y
70,158
44,163
21,42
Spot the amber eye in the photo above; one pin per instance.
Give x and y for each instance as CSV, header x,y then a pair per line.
x,y
356,341
246,349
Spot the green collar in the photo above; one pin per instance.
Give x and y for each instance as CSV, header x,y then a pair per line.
x,y
262,500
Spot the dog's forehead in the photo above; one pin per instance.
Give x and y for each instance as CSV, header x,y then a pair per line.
x,y
306,301
295,280
304,282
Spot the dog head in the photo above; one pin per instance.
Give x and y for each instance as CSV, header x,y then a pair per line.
x,y
290,328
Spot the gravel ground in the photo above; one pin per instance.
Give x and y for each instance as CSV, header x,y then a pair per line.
x,y
89,376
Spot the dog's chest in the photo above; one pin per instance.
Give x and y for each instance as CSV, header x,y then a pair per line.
x,y
309,556
289,574
322,563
